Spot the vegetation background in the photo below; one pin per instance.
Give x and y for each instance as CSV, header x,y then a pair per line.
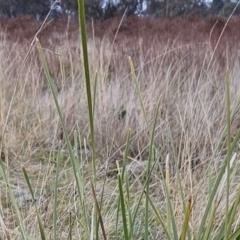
x,y
165,91
104,9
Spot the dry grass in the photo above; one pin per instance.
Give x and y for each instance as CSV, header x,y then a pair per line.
x,y
174,60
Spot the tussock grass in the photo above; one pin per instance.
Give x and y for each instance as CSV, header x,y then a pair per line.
x,y
182,75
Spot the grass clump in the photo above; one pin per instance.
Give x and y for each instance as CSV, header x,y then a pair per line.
x,y
118,140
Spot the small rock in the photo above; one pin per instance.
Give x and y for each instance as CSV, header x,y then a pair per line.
x,y
22,197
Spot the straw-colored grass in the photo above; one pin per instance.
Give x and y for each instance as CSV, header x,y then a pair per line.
x,y
188,77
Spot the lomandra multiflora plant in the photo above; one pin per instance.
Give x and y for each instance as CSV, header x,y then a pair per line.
x,y
169,108
165,218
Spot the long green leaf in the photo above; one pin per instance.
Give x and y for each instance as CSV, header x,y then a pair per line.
x,y
235,235
91,108
123,208
186,219
159,218
149,168
234,211
228,152
170,209
141,196
210,222
99,212
13,200
82,21
138,90
56,195
41,229
76,171
221,230
127,187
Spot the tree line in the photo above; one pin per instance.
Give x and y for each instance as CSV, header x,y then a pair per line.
x,y
104,9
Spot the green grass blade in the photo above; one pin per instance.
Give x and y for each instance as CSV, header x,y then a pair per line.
x,y
138,90
95,93
125,157
234,211
118,216
210,200
41,229
210,222
228,151
222,228
14,203
186,219
170,209
167,180
70,226
28,182
159,218
53,90
151,145
75,165
123,209
222,136
56,195
179,179
98,211
141,196
82,21
236,235
82,29
125,179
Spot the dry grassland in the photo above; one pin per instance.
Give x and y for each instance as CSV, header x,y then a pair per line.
x,y
183,62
